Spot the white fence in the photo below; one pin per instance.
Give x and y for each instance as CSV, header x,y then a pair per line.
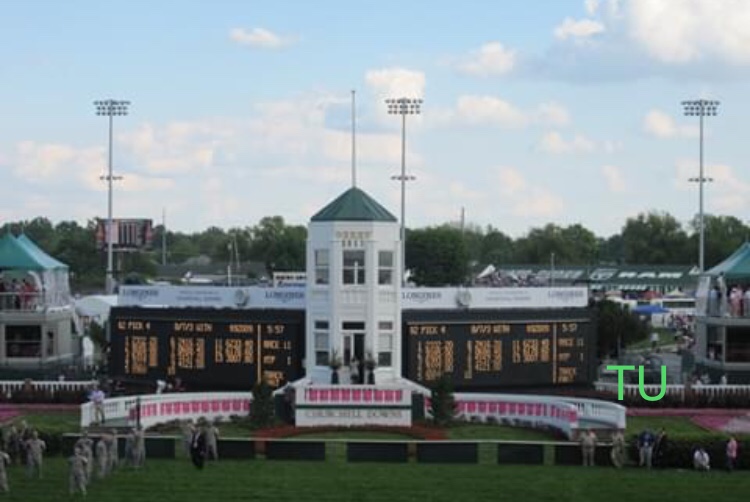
x,y
561,413
161,408
674,390
9,387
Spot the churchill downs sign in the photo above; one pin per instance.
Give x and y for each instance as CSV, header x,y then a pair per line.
x,y
352,405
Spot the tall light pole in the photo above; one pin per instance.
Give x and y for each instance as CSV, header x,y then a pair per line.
x,y
701,108
403,107
110,108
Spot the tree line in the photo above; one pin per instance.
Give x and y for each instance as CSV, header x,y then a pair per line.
x,y
438,255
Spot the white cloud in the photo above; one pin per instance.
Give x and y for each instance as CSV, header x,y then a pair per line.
x,y
684,31
578,29
177,147
489,60
614,179
491,110
591,6
729,193
662,125
553,114
260,37
396,83
540,203
512,181
553,142
525,199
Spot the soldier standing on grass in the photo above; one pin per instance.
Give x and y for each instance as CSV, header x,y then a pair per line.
x,y
77,478
130,449
113,455
4,463
86,445
211,434
588,447
13,445
102,459
618,449
34,449
139,448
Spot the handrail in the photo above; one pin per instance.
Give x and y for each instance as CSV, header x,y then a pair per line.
x,y
672,390
10,386
160,408
562,413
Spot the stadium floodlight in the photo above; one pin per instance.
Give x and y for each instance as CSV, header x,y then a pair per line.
x,y
110,108
701,108
403,107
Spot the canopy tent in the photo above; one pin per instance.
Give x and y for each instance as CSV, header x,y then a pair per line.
x,y
21,254
736,267
649,310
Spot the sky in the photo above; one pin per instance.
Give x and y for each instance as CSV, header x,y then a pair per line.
x,y
533,112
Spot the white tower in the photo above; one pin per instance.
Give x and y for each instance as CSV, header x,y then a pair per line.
x,y
353,290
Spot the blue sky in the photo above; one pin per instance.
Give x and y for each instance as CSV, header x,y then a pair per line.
x,y
534,112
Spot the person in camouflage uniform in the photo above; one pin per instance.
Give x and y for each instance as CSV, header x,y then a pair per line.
x,y
102,458
77,478
86,444
34,455
113,455
4,463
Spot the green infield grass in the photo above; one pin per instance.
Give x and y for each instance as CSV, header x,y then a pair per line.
x,y
275,481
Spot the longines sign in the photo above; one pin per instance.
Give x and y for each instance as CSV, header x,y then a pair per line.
x,y
213,297
294,298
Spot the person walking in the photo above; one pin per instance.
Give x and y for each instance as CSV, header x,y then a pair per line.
x,y
588,447
77,468
97,399
731,454
34,455
618,449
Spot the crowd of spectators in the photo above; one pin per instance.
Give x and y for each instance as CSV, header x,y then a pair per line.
x,y
17,295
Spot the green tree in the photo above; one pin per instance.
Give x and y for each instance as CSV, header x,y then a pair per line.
x,y
436,256
654,239
277,245
573,245
443,402
617,325
261,409
496,248
723,235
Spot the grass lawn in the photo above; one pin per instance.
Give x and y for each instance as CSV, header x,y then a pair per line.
x,y
471,432
51,422
179,481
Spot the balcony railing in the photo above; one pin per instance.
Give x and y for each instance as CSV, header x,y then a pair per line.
x,y
31,301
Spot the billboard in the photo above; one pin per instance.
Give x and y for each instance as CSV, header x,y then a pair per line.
x,y
490,351
221,349
127,234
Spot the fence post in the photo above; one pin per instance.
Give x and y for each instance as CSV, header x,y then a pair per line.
x,y
138,413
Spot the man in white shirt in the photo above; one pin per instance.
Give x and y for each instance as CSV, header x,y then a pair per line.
x,y
701,460
97,398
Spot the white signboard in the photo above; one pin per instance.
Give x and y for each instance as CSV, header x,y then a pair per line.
x,y
294,297
493,298
352,405
212,297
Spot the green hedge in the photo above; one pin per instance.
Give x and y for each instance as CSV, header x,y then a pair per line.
x,y
679,451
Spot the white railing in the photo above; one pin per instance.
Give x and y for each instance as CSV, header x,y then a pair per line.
x,y
160,408
9,387
535,410
674,390
593,410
